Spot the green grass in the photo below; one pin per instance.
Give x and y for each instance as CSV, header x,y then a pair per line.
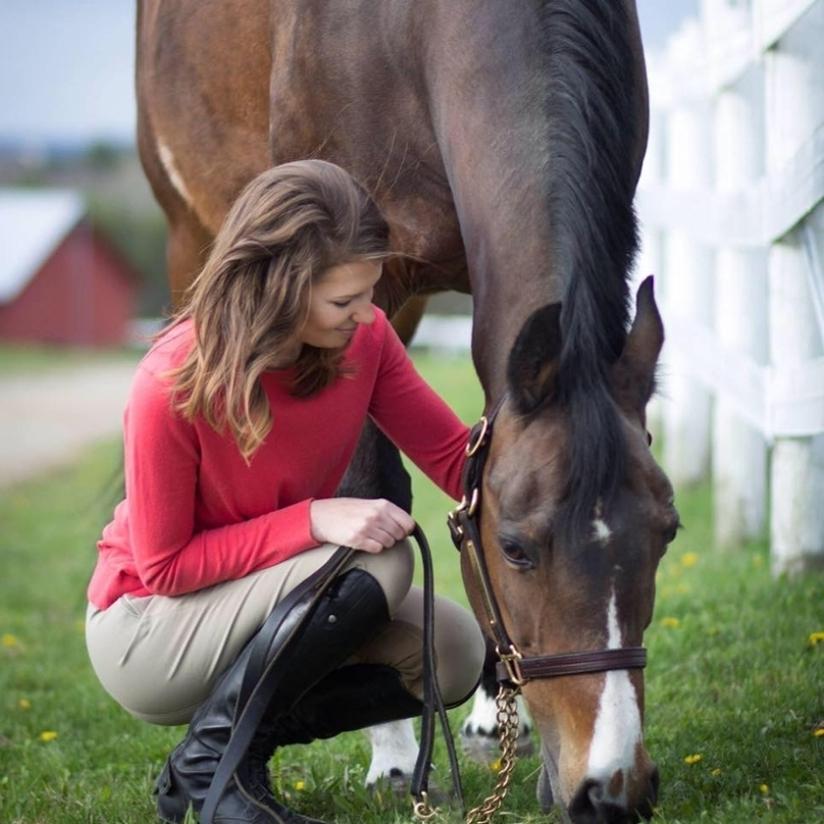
x,y
732,676
16,359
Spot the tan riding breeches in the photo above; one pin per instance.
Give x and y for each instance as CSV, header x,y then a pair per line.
x,y
158,657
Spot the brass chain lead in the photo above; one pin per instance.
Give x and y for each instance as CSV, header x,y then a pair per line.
x,y
507,718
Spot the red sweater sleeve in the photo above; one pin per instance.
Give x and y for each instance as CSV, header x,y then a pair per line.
x,y
416,419
162,462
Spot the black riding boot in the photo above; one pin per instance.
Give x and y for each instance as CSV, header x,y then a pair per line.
x,y
350,698
347,615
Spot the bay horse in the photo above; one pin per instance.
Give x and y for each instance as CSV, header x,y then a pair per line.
x,y
503,141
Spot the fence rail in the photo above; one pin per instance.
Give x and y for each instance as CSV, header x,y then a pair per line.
x,y
731,207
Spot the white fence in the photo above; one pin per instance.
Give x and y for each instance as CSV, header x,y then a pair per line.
x,y
731,208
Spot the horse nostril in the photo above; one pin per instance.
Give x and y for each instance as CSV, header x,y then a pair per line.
x,y
592,804
646,805
582,808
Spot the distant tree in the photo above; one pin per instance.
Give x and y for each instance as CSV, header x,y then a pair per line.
x,y
140,235
103,156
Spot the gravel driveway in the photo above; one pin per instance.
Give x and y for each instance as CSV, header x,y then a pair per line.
x,y
47,418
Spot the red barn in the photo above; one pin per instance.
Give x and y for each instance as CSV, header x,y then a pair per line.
x,y
61,281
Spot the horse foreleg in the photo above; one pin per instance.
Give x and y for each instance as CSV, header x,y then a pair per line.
x,y
394,751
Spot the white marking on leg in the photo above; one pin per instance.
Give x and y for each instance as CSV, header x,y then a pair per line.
x,y
484,716
617,731
393,747
168,161
483,720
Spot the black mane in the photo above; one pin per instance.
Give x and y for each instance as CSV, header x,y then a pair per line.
x,y
591,111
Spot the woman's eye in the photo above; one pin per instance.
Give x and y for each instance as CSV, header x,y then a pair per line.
x,y
514,553
341,303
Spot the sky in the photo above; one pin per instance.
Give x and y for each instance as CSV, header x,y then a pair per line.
x,y
66,66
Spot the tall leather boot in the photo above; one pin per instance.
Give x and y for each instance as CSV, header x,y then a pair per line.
x,y
353,697
351,611
350,698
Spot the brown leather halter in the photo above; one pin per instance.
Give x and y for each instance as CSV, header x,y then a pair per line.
x,y
514,668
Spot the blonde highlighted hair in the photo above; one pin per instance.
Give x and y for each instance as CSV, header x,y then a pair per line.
x,y
250,300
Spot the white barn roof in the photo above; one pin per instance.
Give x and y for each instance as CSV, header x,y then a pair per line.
x,y
32,224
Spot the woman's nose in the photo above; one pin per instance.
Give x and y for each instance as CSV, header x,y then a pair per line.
x,y
364,313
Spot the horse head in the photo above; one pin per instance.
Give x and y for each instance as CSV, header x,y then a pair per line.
x,y
572,560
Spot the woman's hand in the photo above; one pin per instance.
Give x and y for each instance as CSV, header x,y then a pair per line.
x,y
368,525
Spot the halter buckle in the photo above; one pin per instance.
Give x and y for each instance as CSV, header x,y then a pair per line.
x,y
473,504
512,661
477,442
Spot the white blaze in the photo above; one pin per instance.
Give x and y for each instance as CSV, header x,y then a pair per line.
x,y
618,723
600,528
168,161
602,531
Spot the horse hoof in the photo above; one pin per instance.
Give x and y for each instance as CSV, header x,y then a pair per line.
x,y
544,791
398,784
484,749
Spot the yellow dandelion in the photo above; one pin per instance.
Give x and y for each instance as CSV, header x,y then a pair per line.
x,y
815,638
495,766
670,623
764,789
47,735
24,704
689,559
682,589
818,732
300,786
717,771
693,759
10,640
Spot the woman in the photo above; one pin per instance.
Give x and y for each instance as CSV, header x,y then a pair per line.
x,y
240,424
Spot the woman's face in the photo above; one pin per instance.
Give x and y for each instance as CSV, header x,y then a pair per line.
x,y
341,299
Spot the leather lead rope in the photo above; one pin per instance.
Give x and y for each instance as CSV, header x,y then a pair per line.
x,y
432,700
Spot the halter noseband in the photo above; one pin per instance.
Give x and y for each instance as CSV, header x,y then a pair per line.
x,y
514,668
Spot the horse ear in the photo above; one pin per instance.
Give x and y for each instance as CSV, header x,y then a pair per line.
x,y
633,376
533,361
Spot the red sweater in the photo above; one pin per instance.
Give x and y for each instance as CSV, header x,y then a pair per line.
x,y
195,514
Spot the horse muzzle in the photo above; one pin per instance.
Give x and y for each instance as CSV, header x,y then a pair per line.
x,y
597,802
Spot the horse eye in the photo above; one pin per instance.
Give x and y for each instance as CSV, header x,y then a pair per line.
x,y
514,553
672,531
649,438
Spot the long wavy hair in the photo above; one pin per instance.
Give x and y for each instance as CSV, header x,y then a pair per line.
x,y
252,297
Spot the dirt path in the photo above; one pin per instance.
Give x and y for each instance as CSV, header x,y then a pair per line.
x,y
46,419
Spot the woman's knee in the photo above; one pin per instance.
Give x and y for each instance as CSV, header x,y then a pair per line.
x,y
460,650
392,568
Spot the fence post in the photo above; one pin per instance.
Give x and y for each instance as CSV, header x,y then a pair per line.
x,y
688,293
794,105
739,451
650,255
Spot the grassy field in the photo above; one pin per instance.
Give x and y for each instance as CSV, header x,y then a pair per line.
x,y
35,359
735,685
